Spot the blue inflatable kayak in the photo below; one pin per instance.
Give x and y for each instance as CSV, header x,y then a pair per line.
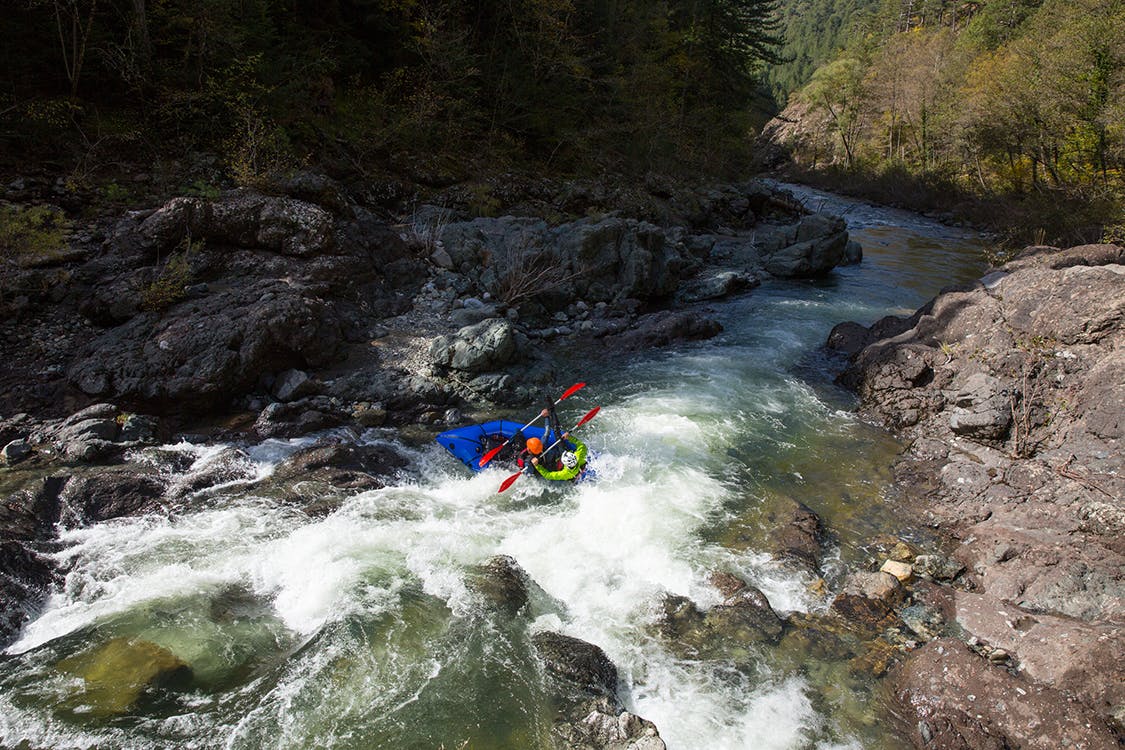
x,y
469,443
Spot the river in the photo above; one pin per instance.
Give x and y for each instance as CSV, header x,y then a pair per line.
x,y
357,630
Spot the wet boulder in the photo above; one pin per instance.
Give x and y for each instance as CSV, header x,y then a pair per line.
x,y
583,689
580,665
92,498
503,584
744,617
117,674
868,598
15,451
796,535
322,475
31,511
333,460
681,622
600,725
27,518
817,637
725,631
716,286
25,578
228,465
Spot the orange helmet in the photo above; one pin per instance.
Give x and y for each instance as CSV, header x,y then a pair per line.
x,y
535,445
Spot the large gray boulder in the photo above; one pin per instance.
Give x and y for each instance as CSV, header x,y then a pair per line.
x,y
96,432
244,219
204,352
615,259
819,244
483,347
606,260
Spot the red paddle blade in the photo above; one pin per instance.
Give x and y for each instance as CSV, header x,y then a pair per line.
x,y
589,415
509,481
490,455
572,390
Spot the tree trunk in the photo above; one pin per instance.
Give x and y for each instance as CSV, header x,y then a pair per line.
x,y
144,43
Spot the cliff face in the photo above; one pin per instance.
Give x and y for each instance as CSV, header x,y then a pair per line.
x,y
1013,396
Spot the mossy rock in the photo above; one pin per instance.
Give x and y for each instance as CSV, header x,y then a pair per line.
x,y
119,672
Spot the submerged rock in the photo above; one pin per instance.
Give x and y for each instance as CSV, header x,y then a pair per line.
x,y
503,583
666,327
118,673
796,534
730,630
745,617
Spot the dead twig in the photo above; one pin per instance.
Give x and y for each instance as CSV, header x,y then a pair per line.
x,y
1068,473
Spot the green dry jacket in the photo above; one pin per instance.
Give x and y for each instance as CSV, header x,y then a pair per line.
x,y
565,473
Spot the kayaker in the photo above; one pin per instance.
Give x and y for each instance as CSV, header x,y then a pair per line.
x,y
570,463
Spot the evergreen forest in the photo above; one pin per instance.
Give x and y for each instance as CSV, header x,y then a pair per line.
x,y
367,86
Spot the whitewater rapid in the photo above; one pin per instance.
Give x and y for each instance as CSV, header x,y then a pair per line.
x,y
358,629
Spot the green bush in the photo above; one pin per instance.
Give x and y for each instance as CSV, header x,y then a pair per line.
x,y
32,235
170,284
203,189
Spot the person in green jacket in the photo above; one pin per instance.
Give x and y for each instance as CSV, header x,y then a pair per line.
x,y
570,464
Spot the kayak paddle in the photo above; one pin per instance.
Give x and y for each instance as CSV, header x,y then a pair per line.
x,y
493,453
512,479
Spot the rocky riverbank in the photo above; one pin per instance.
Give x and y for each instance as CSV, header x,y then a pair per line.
x,y
258,315
1011,398
311,300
